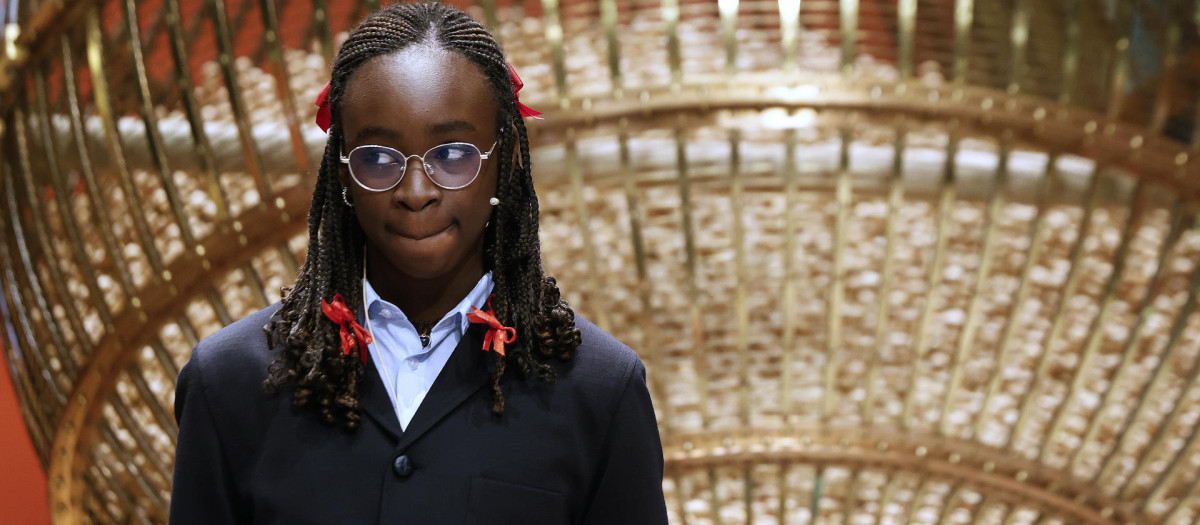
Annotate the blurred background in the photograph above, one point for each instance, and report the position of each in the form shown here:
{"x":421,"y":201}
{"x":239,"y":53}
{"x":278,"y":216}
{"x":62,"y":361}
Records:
{"x":888,"y":261}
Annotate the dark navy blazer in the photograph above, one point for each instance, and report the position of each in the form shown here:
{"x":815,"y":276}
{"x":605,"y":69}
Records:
{"x":585,"y":450}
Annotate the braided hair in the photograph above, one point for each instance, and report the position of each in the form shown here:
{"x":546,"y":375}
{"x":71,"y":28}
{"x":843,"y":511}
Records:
{"x":310,"y":357}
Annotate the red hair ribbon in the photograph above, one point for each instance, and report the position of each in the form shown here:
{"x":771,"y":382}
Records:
{"x":353,"y":334}
{"x":323,"y":116}
{"x":498,"y":335}
{"x":526,"y":111}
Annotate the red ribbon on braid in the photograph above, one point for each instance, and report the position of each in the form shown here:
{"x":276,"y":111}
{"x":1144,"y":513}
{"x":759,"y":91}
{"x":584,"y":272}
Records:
{"x":353,"y":334}
{"x":324,"y":118}
{"x":497,"y":335}
{"x":526,"y":111}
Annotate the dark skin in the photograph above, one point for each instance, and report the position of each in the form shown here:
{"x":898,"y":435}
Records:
{"x":424,"y":244}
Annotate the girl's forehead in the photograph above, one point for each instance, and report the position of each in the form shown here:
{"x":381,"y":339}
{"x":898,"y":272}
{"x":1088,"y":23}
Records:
{"x":419,"y":85}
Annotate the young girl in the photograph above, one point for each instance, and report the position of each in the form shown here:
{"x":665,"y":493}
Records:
{"x":422,"y":305}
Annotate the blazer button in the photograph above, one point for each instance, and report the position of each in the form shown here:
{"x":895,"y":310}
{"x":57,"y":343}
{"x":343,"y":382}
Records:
{"x":402,"y":466}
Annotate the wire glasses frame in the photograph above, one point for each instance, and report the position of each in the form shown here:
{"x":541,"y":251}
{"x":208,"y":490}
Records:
{"x":450,"y":166}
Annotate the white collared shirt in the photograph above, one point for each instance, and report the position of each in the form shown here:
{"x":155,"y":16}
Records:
{"x":397,"y":349}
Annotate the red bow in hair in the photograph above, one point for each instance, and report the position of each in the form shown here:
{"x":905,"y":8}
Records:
{"x":498,"y":335}
{"x":353,"y":334}
{"x":526,"y":111}
{"x":323,"y":116}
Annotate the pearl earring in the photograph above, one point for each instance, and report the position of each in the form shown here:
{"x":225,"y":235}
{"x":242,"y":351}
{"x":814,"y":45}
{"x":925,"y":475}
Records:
{"x":494,"y":201}
{"x":346,"y":197}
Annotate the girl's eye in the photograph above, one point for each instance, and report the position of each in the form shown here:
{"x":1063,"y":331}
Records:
{"x":452,"y":153}
{"x":379,"y":158}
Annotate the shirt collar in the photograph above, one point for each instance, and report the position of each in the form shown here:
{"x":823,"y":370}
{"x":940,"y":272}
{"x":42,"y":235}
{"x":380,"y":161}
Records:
{"x":476,"y":298}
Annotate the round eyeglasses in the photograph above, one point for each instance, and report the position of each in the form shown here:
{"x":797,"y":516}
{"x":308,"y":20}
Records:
{"x":450,"y":166}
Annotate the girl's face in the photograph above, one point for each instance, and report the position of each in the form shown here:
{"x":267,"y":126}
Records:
{"x":413,"y":100}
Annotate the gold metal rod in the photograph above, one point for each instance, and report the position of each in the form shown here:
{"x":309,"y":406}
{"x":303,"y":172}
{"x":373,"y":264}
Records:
{"x":1181,"y":504}
{"x":895,"y":200}
{"x":783,"y":491}
{"x":680,"y":500}
{"x":650,"y":335}
{"x":964,"y":13}
{"x":1178,"y":407}
{"x":885,"y":496}
{"x":321,"y":24}
{"x":218,"y":305}
{"x":748,"y":492}
{"x":741,"y":310}
{"x":814,"y":500}
{"x":116,"y":151}
{"x":150,"y":122}
{"x":789,"y":30}
{"x":554,"y":39}
{"x":850,"y":499}
{"x":610,"y":21}
{"x":87,"y":272}
{"x":837,"y":285}
{"x":729,"y":17}
{"x":1070,"y":55}
{"x":714,"y":499}
{"x":1018,"y":40}
{"x":50,"y":259}
{"x":96,"y":202}
{"x":22,"y":369}
{"x":1168,"y":66}
{"x":37,"y":282}
{"x":1091,"y":347}
{"x":19,"y":302}
{"x":158,"y":506}
{"x":789,"y":300}
{"x":1119,"y":73}
{"x":165,"y":421}
{"x":907,"y":21}
{"x":951,"y":502}
{"x":255,"y":283}
{"x":160,"y":470}
{"x":1156,"y":377}
{"x":191,"y":108}
{"x":283,"y":78}
{"x":670,"y":14}
{"x":165,"y":360}
{"x":911,"y":509}
{"x":1129,"y":350}
{"x":490,"y":18}
{"x":290,"y":263}
{"x":95,"y":482}
{"x":933,"y":277}
{"x":1074,"y":274}
{"x":596,"y":281}
{"x":695,"y":323}
{"x":977,"y":516}
{"x":997,"y":196}
{"x":1182,"y":459}
{"x":190,"y":335}
{"x":848,"y":28}
{"x":241,"y":114}
{"x":1013,"y":316}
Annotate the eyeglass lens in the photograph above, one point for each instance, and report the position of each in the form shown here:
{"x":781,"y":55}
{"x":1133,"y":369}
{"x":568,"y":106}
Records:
{"x":450,"y":166}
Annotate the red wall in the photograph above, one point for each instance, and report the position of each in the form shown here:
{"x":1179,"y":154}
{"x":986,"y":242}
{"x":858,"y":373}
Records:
{"x":22,"y":482}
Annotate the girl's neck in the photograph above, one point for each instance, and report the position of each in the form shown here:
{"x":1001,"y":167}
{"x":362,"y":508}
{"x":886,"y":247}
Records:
{"x":422,"y":299}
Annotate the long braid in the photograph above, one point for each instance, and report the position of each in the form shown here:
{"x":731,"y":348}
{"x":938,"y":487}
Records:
{"x":310,"y":359}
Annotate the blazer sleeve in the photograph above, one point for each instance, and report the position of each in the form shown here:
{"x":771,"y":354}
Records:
{"x":630,"y":485}
{"x":203,"y":489}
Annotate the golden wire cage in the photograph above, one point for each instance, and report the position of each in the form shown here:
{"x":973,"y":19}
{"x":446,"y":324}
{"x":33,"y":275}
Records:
{"x":911,"y":261}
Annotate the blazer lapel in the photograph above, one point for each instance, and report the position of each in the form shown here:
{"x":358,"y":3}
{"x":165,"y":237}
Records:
{"x":375,"y":402}
{"x":465,"y":373}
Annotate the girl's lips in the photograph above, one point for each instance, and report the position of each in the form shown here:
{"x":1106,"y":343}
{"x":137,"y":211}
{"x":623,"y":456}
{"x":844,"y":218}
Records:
{"x":420,"y":236}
